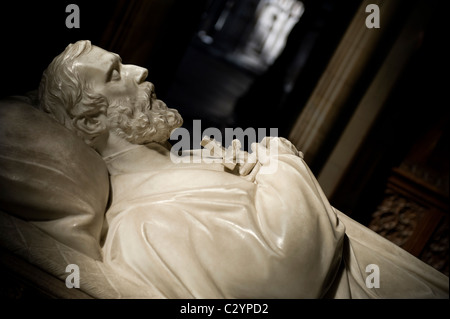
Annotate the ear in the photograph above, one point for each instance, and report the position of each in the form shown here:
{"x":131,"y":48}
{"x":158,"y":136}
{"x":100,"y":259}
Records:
{"x":90,"y":126}
{"x":89,"y":117}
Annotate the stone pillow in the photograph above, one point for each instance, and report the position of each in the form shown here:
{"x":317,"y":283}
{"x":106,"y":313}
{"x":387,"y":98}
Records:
{"x":50,"y":177}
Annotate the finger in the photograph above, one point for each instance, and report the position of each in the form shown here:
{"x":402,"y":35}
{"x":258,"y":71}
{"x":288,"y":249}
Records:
{"x":247,"y":162}
{"x":246,"y":168}
{"x":262,"y":154}
{"x":251,"y":177}
{"x":236,"y":145}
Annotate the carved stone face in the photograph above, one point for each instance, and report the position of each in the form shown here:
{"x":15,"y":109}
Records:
{"x":105,"y":74}
{"x":134,"y":112}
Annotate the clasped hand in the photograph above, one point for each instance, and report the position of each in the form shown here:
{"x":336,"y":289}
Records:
{"x":246,"y":164}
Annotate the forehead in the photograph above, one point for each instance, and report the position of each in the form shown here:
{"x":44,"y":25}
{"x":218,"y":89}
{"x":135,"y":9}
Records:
{"x":98,"y":55}
{"x":97,"y":60}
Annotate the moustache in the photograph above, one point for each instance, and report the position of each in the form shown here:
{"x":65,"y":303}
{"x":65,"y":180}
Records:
{"x":150,"y":98}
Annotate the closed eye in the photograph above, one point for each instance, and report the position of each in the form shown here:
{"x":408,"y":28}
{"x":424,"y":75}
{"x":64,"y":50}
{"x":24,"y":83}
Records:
{"x":115,"y":75}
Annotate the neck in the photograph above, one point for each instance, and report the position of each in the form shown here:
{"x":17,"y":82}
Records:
{"x":123,"y":157}
{"x":114,"y":145}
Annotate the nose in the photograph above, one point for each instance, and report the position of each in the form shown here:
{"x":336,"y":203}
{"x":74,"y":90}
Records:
{"x":139,"y":74}
{"x":142,"y":75}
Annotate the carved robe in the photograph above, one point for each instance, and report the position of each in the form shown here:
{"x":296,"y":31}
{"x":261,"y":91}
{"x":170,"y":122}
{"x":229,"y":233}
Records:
{"x":196,"y":231}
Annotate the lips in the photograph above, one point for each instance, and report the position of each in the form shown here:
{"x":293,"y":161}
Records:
{"x":149,"y":94}
{"x":153,"y":102}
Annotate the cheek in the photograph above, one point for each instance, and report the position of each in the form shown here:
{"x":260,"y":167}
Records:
{"x":118,"y":90}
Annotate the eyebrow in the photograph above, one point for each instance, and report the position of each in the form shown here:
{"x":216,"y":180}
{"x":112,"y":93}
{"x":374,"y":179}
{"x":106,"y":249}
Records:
{"x":115,"y":60}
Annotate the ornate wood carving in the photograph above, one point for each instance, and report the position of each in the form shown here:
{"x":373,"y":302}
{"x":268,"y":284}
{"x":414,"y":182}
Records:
{"x":414,"y":211}
{"x":436,"y":251}
{"x":414,"y":215}
{"x":396,"y":218}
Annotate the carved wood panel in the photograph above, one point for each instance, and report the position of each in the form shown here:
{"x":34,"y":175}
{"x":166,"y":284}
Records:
{"x":396,"y":218}
{"x":414,"y":212}
{"x":436,"y":251}
{"x":415,"y":218}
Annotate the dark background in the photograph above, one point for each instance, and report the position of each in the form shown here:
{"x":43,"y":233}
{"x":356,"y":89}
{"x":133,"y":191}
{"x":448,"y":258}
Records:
{"x":34,"y":32}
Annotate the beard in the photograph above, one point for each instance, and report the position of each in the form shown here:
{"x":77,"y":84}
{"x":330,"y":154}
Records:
{"x":143,"y":119}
